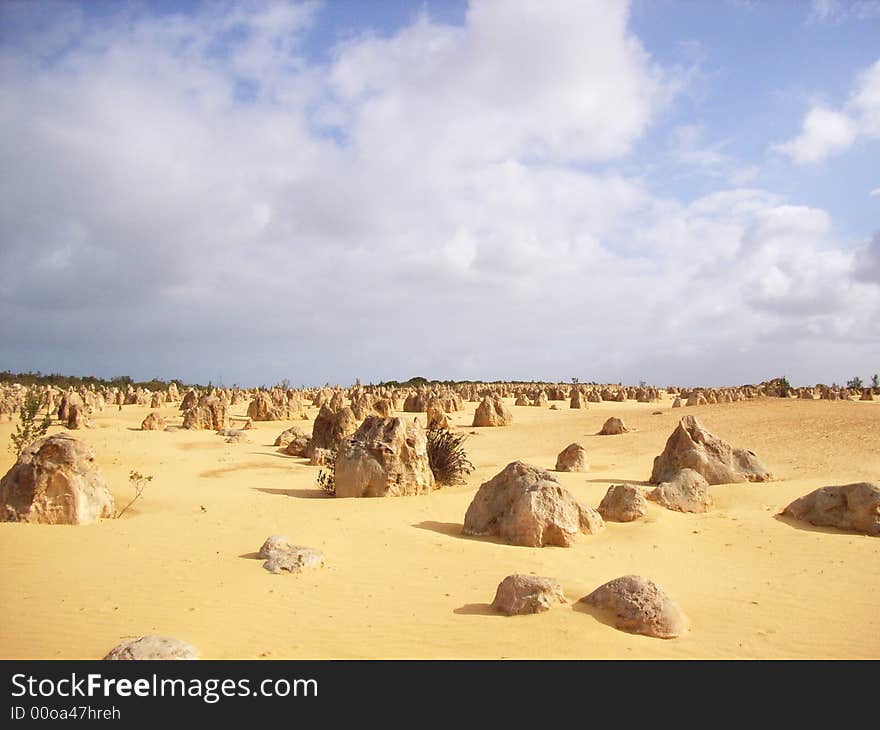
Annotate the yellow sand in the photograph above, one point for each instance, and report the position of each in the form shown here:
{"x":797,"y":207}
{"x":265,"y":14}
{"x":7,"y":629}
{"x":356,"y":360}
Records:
{"x":403,"y":582}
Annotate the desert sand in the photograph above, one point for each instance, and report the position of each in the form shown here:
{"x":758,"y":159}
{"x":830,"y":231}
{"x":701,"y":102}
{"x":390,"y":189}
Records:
{"x":402,"y":582}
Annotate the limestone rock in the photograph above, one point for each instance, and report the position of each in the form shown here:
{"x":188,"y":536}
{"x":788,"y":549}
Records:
{"x":386,"y":457}
{"x":286,"y":436}
{"x":76,"y":417}
{"x":491,"y":412}
{"x":640,"y":606}
{"x":67,"y":400}
{"x":319,"y":457}
{"x":295,"y":406}
{"x":362,"y":406}
{"x":264,"y":408}
{"x":153,"y":422}
{"x":298,"y":445}
{"x":526,"y":505}
{"x":294,"y":441}
{"x":383,"y":407}
{"x":436,"y":415}
{"x":55,"y":481}
{"x":846,"y":507}
{"x":332,"y":427}
{"x":337,"y":401}
{"x":416,"y":402}
{"x":280,"y":554}
{"x":210,"y":413}
{"x":190,"y":400}
{"x":613,"y":427}
{"x":522,"y":594}
{"x":572,"y":458}
{"x":692,"y":447}
{"x":687,"y":491}
{"x":623,"y":503}
{"x":152,"y":647}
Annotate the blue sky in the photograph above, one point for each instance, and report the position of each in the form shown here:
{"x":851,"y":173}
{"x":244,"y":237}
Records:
{"x":677,"y":192}
{"x":761,"y":65}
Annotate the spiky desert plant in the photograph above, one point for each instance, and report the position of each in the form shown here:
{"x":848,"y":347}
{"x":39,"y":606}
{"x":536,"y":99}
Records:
{"x":447,"y":456}
{"x":29,"y":427}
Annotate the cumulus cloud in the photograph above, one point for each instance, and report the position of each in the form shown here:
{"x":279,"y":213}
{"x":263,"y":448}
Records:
{"x":193,"y":196}
{"x":522,"y":79}
{"x":826,"y":132}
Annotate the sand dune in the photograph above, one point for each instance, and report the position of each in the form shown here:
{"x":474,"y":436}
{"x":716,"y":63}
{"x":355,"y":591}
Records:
{"x":401,"y":580}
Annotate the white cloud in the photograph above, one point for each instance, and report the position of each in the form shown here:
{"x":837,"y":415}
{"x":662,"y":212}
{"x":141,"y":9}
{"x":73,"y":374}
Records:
{"x":826,"y":132}
{"x":420,"y":204}
{"x":875,"y":193}
{"x":523,"y":79}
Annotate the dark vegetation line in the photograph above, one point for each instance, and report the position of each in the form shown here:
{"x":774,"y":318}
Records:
{"x":68,"y":381}
{"x":123,"y":381}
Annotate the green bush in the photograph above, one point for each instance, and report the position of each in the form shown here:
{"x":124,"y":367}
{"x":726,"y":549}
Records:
{"x":29,"y":428}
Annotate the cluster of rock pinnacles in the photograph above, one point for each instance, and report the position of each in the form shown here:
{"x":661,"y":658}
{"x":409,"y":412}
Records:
{"x":56,"y":481}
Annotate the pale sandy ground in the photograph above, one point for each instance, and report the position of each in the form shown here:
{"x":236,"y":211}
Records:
{"x":404,"y":583}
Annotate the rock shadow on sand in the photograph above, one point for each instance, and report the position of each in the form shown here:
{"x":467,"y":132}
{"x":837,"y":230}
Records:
{"x":279,"y":453}
{"x":809,"y":527}
{"x":298,"y":493}
{"x":454,"y":529}
{"x":477,"y":609}
{"x":602,"y":616}
{"x":251,"y":465}
{"x":612,"y":480}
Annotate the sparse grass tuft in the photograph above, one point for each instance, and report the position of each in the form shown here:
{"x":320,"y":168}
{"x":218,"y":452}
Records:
{"x":139,"y":482}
